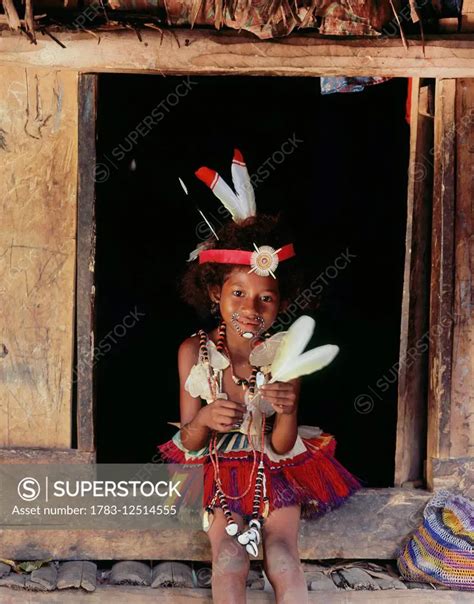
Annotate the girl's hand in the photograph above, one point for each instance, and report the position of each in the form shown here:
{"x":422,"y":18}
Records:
{"x":281,"y":395}
{"x":222,"y":415}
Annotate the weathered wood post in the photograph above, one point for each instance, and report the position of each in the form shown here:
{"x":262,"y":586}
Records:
{"x":450,"y":454}
{"x":38,"y":193}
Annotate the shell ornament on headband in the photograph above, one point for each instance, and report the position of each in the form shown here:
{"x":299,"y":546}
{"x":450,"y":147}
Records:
{"x":264,"y":259}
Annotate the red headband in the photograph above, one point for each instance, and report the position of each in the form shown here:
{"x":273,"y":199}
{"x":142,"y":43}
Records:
{"x":244,"y":257}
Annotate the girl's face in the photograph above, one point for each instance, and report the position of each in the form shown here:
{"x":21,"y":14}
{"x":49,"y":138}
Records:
{"x":248,"y":303}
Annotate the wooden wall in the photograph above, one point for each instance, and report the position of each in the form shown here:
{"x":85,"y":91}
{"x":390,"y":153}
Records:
{"x":413,"y":367}
{"x":38,"y":191}
{"x":450,"y":458}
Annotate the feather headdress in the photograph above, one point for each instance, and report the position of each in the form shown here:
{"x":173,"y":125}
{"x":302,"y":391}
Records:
{"x":241,"y":203}
{"x":291,"y":362}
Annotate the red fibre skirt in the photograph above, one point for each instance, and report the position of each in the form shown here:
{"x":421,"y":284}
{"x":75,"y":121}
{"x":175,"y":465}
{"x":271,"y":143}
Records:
{"x":308,"y":475}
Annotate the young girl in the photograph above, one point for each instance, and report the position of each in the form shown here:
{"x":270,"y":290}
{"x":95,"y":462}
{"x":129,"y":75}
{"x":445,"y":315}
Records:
{"x":261,"y":471}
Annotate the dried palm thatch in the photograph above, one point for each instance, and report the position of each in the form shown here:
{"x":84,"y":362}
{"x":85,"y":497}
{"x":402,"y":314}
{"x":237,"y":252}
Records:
{"x":27,"y":24}
{"x":11,"y":14}
{"x":264,"y":18}
{"x":271,"y":18}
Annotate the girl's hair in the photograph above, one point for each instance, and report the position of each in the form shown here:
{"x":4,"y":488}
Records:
{"x":261,"y":230}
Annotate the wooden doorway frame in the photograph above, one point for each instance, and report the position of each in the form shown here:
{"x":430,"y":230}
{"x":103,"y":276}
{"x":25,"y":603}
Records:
{"x":375,"y":521}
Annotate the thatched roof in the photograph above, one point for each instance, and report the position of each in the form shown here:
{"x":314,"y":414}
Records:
{"x":264,"y":18}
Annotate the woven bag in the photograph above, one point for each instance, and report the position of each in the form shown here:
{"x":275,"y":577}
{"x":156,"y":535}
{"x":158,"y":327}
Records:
{"x":441,"y":551}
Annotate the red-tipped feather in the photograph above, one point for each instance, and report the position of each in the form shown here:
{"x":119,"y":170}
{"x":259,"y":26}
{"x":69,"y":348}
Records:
{"x":209,"y":177}
{"x":238,"y":157}
{"x":241,"y":202}
{"x":243,"y":185}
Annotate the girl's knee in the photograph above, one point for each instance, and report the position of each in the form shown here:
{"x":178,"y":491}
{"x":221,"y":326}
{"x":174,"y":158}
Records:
{"x":230,"y":559}
{"x":281,"y":560}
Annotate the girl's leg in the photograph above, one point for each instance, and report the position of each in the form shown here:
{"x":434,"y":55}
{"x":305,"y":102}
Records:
{"x":281,"y":558}
{"x":230,"y":563}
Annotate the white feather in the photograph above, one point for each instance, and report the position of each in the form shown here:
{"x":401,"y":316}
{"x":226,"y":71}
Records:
{"x":229,"y":199}
{"x":244,"y":189}
{"x":310,"y":361}
{"x":294,"y":342}
{"x":240,"y":204}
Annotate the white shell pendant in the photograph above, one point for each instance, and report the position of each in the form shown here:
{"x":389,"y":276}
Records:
{"x":255,"y":535}
{"x":197,"y":383}
{"x":232,"y":529}
{"x":252,"y":549}
{"x":259,"y":379}
{"x":244,"y":538}
{"x":217,"y":359}
{"x":207,"y":520}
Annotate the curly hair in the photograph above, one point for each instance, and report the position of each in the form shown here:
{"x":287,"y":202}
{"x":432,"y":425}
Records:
{"x":262,"y":230}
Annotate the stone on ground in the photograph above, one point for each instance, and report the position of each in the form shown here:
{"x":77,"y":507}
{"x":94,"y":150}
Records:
{"x":172,"y":574}
{"x":13,"y":580}
{"x":76,"y":574}
{"x":43,"y":578}
{"x":4,"y":569}
{"x":318,"y":581}
{"x":130,"y":572}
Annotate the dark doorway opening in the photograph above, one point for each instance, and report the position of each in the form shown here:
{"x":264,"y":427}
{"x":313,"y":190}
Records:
{"x":342,"y":187}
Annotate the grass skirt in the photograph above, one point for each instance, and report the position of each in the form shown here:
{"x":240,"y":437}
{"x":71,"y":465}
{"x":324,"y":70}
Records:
{"x":308,"y":475}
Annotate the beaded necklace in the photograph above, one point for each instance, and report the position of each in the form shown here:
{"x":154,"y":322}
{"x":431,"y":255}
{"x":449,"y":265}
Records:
{"x":222,"y":347}
{"x":251,"y":537}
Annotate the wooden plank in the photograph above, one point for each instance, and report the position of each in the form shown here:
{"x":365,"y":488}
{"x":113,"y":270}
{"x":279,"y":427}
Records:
{"x":448,"y":25}
{"x":85,"y":287}
{"x":442,"y":262}
{"x":462,"y":387}
{"x":371,"y":524}
{"x":49,"y":456}
{"x":451,"y":432}
{"x":467,"y":6}
{"x":456,"y":474}
{"x":414,"y":342}
{"x":38,"y":121}
{"x":108,"y":594}
{"x":206,"y":52}
{"x":467,"y":18}
{"x":467,"y":23}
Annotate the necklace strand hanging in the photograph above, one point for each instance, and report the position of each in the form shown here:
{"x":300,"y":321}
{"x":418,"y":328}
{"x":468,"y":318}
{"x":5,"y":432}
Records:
{"x":222,"y":347}
{"x":250,"y":539}
{"x":245,"y":383}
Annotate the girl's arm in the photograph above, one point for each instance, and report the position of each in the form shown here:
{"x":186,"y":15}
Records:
{"x":284,"y":398}
{"x":194,"y":435}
